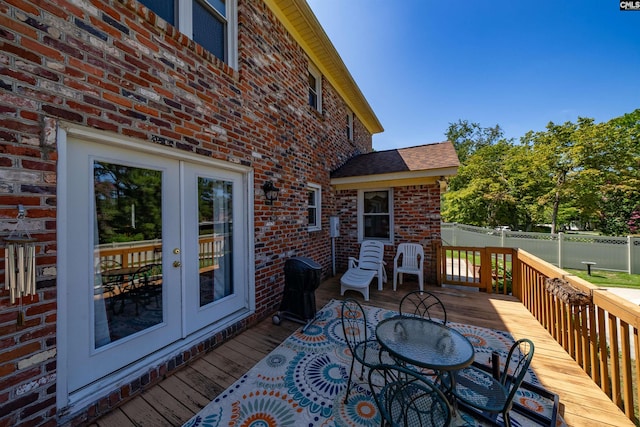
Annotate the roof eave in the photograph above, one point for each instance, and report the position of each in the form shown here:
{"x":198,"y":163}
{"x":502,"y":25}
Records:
{"x":394,"y":179}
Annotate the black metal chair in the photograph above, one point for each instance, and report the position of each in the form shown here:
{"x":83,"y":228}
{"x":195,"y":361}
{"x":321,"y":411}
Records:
{"x":111,"y":284}
{"x":364,"y":350}
{"x":152,"y":284}
{"x":476,"y":388}
{"x":138,"y":286}
{"x":423,"y":304}
{"x":406,"y":398}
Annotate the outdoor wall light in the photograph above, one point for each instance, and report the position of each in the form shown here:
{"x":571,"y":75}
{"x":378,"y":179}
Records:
{"x":270,"y":192}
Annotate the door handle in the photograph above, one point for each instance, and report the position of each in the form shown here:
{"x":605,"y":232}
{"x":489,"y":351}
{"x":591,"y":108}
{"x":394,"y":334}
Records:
{"x":177,"y":264}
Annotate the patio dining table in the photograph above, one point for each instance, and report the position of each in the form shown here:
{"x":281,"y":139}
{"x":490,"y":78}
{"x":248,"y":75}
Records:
{"x":422,"y":342}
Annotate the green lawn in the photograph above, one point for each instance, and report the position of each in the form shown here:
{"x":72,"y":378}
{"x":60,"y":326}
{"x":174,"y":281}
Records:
{"x":608,"y":278}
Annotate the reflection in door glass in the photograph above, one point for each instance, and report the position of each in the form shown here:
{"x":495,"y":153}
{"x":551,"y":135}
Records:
{"x":127,"y":250}
{"x":215,"y":231}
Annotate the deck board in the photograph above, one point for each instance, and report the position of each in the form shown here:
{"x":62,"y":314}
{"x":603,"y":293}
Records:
{"x":171,"y":408}
{"x":143,"y":414}
{"x":184,"y":393}
{"x":582,"y":403}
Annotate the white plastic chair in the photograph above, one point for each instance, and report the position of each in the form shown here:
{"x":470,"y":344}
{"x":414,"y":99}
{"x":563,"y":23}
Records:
{"x":362,"y":270}
{"x":411,"y":258}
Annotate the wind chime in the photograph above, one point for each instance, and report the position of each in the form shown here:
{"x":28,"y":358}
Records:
{"x":20,"y":262}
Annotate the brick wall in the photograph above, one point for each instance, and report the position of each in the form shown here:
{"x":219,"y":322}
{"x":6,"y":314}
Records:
{"x":416,"y":216}
{"x":112,"y":65}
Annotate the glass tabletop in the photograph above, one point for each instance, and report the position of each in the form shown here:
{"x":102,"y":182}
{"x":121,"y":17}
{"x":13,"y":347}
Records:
{"x":421,"y":342}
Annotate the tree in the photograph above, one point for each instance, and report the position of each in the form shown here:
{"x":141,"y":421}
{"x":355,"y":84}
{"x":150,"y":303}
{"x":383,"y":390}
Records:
{"x":618,"y":161}
{"x":481,"y":193}
{"x":467,"y":137}
{"x":554,"y":157}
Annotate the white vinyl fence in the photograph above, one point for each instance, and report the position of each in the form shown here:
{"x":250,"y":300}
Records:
{"x":561,"y":249}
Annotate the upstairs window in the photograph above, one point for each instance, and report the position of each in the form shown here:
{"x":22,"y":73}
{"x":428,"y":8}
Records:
{"x":210,"y":23}
{"x":375,"y":215}
{"x":314,"y":199}
{"x":315,"y":88}
{"x":350,"y":126}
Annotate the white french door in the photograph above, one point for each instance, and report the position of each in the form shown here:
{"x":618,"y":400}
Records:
{"x":156,"y":251}
{"x":214,"y":242}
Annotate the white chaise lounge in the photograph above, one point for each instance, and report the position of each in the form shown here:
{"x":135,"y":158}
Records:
{"x":362,"y":270}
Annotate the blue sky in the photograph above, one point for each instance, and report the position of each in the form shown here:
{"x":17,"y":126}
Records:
{"x":423,"y":64}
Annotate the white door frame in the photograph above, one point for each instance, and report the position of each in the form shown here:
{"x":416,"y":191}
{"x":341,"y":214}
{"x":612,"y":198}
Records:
{"x":70,"y":401}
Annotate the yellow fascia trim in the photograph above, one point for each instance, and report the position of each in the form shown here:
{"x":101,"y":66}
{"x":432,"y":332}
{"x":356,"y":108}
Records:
{"x":387,"y":183}
{"x":299,"y":20}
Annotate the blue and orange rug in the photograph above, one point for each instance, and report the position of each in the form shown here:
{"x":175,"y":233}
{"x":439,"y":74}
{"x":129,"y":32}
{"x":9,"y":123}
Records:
{"x":303,"y":381}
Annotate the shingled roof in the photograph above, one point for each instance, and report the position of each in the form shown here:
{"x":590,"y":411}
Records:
{"x":430,"y":159}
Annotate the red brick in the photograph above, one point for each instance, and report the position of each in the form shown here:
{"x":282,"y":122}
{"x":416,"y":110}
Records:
{"x":10,"y":199}
{"x":49,"y":330}
{"x":101,"y":124}
{"x":47,"y":52}
{"x":18,"y":352}
{"x":25,"y":6}
{"x":125,"y":102}
{"x":34,"y":310}
{"x":6,"y":369}
{"x":18,"y":75}
{"x":84,"y":108}
{"x":87,"y":68}
{"x":113,"y":32}
{"x":42,"y":166}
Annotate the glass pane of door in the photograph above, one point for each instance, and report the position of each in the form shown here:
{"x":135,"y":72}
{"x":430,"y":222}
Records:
{"x":127,"y":250}
{"x":215,"y":239}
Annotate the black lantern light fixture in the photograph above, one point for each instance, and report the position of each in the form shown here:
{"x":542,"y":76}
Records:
{"x":270,"y":192}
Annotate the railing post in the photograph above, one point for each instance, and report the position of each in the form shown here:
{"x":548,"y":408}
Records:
{"x":560,"y":240}
{"x":454,"y":234}
{"x":439,"y":262}
{"x":485,"y":270}
{"x":516,"y":281}
{"x":630,"y":256}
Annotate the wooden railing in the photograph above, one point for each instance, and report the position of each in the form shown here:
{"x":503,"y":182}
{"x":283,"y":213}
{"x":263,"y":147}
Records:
{"x":601,"y":336}
{"x":489,"y":269}
{"x":136,"y":254}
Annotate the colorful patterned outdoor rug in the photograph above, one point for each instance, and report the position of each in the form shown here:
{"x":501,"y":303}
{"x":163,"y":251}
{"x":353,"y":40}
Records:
{"x":303,"y":381}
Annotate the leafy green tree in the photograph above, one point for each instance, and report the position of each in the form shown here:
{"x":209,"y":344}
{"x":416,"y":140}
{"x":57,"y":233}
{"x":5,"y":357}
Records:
{"x":468,"y":137}
{"x":481,"y":193}
{"x":554,"y":157}
{"x":618,"y":162}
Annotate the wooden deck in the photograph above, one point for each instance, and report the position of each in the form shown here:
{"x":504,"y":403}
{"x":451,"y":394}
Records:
{"x":178,"y":397}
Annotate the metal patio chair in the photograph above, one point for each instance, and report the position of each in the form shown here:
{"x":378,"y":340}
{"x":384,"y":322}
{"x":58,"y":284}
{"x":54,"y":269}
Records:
{"x":479,"y":389}
{"x":364,"y":350}
{"x":406,"y":398}
{"x":423,"y":304}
